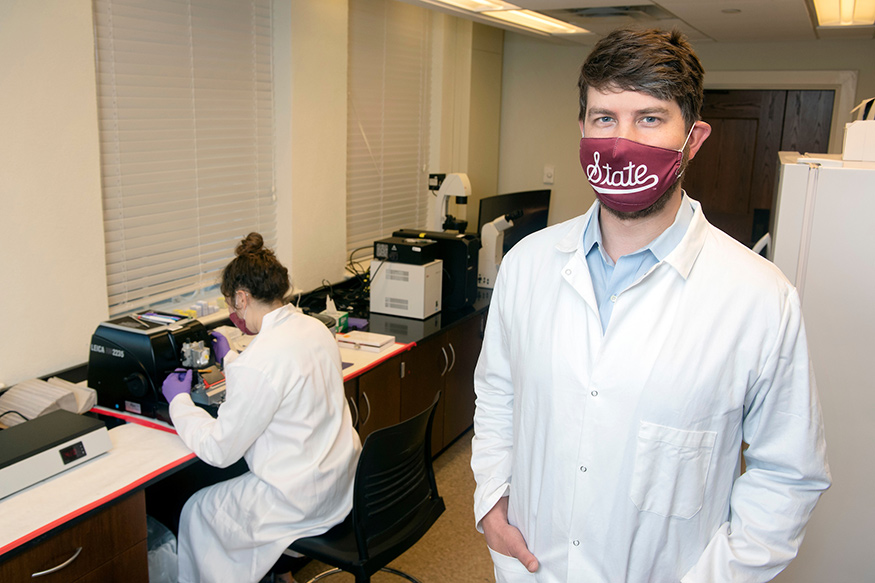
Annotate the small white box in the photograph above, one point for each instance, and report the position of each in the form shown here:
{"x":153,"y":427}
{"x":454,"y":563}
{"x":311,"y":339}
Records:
{"x":401,"y":289}
{"x":859,"y":141}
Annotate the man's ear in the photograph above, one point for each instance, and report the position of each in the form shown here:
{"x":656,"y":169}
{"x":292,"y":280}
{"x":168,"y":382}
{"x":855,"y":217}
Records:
{"x":580,"y":122}
{"x":699,"y":134}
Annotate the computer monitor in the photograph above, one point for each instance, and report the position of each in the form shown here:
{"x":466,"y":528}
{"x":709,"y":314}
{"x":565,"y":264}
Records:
{"x":535,"y":205}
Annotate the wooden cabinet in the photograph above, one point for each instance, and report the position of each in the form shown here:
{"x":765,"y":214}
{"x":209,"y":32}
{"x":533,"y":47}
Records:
{"x":465,"y":341}
{"x":379,"y":397}
{"x":406,"y":384}
{"x":423,"y":370}
{"x":351,"y":390}
{"x":109,"y":546}
{"x":444,"y":363}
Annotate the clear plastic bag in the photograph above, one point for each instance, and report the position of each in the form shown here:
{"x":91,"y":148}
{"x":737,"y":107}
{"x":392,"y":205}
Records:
{"x":163,"y":563}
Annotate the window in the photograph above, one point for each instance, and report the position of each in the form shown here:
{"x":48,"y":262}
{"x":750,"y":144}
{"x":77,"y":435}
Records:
{"x":185,"y":103}
{"x":388,"y":113}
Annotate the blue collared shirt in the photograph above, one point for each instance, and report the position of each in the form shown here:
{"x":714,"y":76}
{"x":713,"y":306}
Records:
{"x":610,"y":279}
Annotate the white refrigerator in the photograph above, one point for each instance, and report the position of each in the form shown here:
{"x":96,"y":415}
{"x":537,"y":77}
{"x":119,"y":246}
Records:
{"x":823,"y":240}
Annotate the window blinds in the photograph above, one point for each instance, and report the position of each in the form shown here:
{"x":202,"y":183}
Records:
{"x":185,"y":103}
{"x":388,"y":123}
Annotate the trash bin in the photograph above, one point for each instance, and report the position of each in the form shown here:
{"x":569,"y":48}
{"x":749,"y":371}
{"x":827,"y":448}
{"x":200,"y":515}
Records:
{"x":163,"y":565}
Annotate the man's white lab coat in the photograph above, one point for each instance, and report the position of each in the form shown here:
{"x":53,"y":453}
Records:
{"x":285,"y":413}
{"x":620,"y":451}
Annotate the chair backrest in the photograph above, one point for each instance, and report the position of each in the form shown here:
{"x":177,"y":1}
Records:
{"x":394,"y":478}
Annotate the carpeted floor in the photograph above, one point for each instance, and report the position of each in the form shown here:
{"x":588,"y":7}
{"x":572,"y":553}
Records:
{"x":452,"y":551}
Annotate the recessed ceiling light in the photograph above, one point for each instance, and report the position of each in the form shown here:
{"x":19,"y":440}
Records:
{"x":510,"y":13}
{"x":845,"y":12}
{"x":478,"y":5}
{"x":535,"y":21}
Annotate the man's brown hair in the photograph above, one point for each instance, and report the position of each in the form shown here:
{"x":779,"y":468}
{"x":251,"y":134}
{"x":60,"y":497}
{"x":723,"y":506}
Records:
{"x":658,"y":63}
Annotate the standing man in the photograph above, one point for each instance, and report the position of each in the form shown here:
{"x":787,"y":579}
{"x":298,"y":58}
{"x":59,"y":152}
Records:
{"x":628,"y":354}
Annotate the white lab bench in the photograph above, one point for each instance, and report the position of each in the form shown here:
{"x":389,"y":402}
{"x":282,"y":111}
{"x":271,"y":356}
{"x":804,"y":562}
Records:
{"x":93,"y":517}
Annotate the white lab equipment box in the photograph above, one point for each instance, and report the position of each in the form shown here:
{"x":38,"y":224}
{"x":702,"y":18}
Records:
{"x":401,"y":289}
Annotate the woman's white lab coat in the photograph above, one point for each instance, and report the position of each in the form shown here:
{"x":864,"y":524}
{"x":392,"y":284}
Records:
{"x":620,"y":450}
{"x":286,"y":414}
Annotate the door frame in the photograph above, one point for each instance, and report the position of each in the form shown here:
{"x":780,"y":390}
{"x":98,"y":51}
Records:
{"x":844,"y":83}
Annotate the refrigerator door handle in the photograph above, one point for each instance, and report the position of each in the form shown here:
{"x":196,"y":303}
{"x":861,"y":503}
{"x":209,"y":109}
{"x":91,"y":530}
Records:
{"x":807,"y":223}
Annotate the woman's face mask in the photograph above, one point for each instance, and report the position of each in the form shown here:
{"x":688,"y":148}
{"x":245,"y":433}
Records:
{"x":628,"y":176}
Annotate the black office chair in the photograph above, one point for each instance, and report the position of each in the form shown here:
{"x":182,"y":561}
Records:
{"x":395,"y":501}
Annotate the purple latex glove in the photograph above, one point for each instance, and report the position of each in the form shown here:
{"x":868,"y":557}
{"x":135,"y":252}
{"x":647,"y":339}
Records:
{"x":220,"y":345}
{"x":176,"y":383}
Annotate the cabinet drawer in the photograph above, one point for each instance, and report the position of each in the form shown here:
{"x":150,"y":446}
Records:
{"x":101,"y":537}
{"x":132,"y":566}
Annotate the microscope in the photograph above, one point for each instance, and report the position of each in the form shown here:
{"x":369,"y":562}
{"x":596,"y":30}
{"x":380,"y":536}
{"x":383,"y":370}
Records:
{"x":443,"y":187}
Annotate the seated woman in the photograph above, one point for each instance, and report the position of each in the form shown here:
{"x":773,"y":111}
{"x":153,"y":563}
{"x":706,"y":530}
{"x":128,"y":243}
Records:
{"x":285,"y":413}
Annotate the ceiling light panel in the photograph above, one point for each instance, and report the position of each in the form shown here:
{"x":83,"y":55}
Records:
{"x":535,"y":21}
{"x":845,"y":12}
{"x":477,"y":5}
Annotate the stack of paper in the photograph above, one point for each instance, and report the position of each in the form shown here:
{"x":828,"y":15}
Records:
{"x":86,"y":397}
{"x":30,"y":399}
{"x":369,"y":341}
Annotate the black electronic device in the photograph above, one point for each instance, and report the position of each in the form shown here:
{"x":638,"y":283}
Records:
{"x":130,"y":356}
{"x":460,"y":254}
{"x":535,"y":207}
{"x":411,"y":250}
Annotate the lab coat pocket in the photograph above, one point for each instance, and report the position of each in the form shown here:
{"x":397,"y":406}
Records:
{"x":509,"y":570}
{"x":671,"y":468}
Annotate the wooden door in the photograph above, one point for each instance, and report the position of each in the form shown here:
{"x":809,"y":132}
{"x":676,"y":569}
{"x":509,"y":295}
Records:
{"x":464,"y":342}
{"x":735,"y":173}
{"x":379,"y":397}
{"x":424,"y":370}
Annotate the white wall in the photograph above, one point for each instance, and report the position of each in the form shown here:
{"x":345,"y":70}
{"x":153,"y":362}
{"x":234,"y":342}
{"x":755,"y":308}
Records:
{"x":539,"y":103}
{"x":52,"y":270}
{"x":539,"y":123}
{"x":311,"y":169}
{"x":487,"y":50}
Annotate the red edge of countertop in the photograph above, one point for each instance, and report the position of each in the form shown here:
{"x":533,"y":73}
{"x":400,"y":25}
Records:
{"x":144,"y":479}
{"x":95,"y":504}
{"x":399,"y":348}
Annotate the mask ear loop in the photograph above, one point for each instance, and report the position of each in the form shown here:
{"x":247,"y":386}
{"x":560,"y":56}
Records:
{"x":690,"y":133}
{"x":236,"y":307}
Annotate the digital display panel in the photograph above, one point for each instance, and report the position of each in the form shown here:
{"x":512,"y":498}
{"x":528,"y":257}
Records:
{"x":71,"y":453}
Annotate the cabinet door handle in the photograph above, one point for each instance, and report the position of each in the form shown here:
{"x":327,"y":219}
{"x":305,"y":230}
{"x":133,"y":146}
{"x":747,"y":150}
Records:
{"x":446,"y":361}
{"x":355,"y":410}
{"x":368,"y":403}
{"x":453,"y":352}
{"x":59,"y":567}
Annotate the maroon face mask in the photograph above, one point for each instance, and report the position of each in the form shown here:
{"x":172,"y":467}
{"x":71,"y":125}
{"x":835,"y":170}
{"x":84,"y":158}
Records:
{"x":240,"y":323}
{"x":628,"y":176}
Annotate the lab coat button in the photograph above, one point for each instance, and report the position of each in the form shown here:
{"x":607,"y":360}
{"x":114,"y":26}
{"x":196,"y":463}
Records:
{"x":582,"y":468}
{"x":567,"y":272}
{"x":576,"y":543}
{"x":614,"y":299}
{"x":594,"y":393}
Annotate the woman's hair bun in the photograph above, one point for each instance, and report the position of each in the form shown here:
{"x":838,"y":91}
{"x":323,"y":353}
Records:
{"x":253,"y":243}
